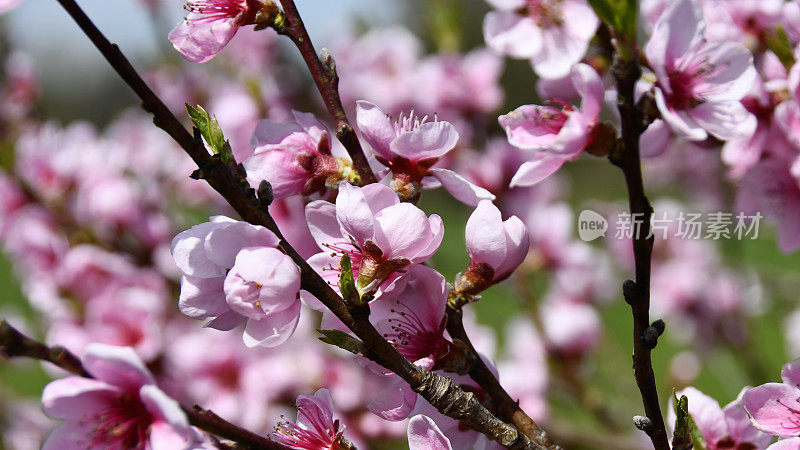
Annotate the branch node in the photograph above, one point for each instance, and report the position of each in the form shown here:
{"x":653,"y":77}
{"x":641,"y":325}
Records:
{"x":650,"y":337}
{"x":643,"y":423}
{"x":629,"y":292}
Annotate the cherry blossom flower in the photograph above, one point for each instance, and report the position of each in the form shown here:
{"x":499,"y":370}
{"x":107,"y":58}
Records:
{"x":295,"y":158}
{"x":553,"y":34}
{"x":119,"y":408}
{"x":496,"y":248}
{"x":381,"y":235}
{"x":315,"y":429}
{"x":233,"y":272}
{"x":409,"y":147}
{"x":413,"y":320}
{"x":211,"y":24}
{"x":774,"y":408}
{"x":699,"y":84}
{"x":423,"y":434}
{"x":554,"y":135}
{"x":722,"y":428}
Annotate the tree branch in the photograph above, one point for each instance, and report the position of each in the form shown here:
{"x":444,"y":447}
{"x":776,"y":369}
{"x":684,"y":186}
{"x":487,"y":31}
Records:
{"x":15,"y":344}
{"x":327,"y":81}
{"x":626,"y":72}
{"x":505,"y":407}
{"x":229,"y":181}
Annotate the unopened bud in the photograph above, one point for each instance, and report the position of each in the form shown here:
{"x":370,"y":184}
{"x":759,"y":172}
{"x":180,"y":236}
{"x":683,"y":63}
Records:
{"x":602,"y":140}
{"x":629,"y":291}
{"x":643,"y":423}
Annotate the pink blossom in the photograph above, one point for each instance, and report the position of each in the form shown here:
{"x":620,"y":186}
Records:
{"x":496,"y":248}
{"x":554,"y":135}
{"x":413,"y":320}
{"x":553,"y":34}
{"x":774,"y":408}
{"x":523,"y":368}
{"x":423,"y":434}
{"x":295,"y":158}
{"x":119,"y":408}
{"x":699,"y":84}
{"x":409,"y":147}
{"x":233,"y":272}
{"x":315,"y":429}
{"x":571,"y":329}
{"x":381,"y":235}
{"x":722,"y":428}
{"x":211,"y":24}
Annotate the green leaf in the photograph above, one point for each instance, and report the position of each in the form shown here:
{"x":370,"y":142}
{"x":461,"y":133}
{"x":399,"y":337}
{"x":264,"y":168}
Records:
{"x":778,"y":42}
{"x":347,"y":285}
{"x":687,"y":436}
{"x":621,"y":15}
{"x":343,"y":341}
{"x":211,"y":131}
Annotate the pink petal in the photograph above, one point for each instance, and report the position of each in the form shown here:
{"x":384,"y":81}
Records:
{"x":269,"y":134}
{"x":376,"y":128}
{"x":460,"y":188}
{"x":223,"y":243}
{"x":681,"y":123}
{"x":726,"y":120}
{"x":786,"y":444}
{"x":69,"y":435}
{"x":402,"y":231}
{"x":354,"y":213}
{"x":117,"y":366}
{"x":774,"y":408}
{"x":272,"y":330}
{"x":75,"y":397}
{"x":485,"y":235}
{"x":321,"y":218}
{"x":200,"y":41}
{"x":790,"y":373}
{"x":202,"y":298}
{"x":537,"y":169}
{"x":270,"y":268}
{"x":680,"y":27}
{"x":429,"y":140}
{"x":395,"y":402}
{"x":311,"y":125}
{"x":189,"y":252}
{"x":164,"y":409}
{"x":512,"y":34}
{"x":423,"y":434}
{"x":226,"y":322}
{"x":734,"y":74}
{"x":590,"y":88}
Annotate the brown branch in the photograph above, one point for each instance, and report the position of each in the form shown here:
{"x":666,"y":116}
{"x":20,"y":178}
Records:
{"x":228,"y":180}
{"x":327,"y":81}
{"x":505,"y":407}
{"x":626,"y":71}
{"x":15,"y":344}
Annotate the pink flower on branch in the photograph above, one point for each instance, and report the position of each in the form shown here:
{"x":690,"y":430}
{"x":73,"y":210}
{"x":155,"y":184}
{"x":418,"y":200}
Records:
{"x":382,"y":236}
{"x":699,"y":84}
{"x":554,"y":135}
{"x":774,"y":408}
{"x":410,"y":147}
{"x":211,"y":24}
{"x":496,"y":248}
{"x":295,"y":158}
{"x":424,"y":434}
{"x":233,"y":273}
{"x":722,"y":428}
{"x":553,"y":34}
{"x":315,"y":429}
{"x":120,"y":408}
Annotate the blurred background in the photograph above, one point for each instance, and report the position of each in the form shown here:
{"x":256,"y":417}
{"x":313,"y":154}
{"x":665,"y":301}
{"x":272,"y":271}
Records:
{"x":588,"y":387}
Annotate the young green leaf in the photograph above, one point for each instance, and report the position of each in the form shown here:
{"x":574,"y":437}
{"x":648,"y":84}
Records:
{"x":347,"y":284}
{"x":687,"y":436}
{"x":343,"y":341}
{"x":211,"y":131}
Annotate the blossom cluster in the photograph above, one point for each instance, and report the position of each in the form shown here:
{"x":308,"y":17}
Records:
{"x":170,"y":301}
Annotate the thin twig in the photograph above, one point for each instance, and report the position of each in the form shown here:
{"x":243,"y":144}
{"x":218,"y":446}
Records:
{"x":626,"y":72}
{"x":502,"y":404}
{"x":327,"y":81}
{"x":228,"y":180}
{"x":15,"y":344}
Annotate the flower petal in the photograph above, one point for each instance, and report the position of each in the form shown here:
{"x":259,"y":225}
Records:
{"x":423,"y":434}
{"x":460,"y":188}
{"x":274,"y":329}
